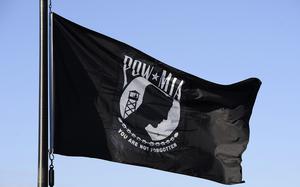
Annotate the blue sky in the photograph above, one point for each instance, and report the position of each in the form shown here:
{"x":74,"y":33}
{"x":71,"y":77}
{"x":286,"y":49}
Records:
{"x":221,"y":41}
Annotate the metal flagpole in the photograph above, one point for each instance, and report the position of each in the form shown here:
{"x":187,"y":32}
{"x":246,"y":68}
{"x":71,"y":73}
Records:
{"x":43,"y":97}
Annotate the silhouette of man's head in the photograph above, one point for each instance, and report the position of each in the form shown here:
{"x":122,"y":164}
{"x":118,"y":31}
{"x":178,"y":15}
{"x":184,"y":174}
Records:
{"x":154,"y":108}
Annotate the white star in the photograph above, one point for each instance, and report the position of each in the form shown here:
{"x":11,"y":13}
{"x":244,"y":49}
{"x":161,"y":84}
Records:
{"x":154,"y":76}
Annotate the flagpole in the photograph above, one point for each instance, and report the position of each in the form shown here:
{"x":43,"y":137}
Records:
{"x":43,"y":97}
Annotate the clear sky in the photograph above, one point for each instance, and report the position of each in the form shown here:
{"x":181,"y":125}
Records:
{"x":221,"y":41}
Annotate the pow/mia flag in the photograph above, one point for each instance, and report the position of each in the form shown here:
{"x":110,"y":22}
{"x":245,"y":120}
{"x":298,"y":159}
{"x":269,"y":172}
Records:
{"x":114,"y":102}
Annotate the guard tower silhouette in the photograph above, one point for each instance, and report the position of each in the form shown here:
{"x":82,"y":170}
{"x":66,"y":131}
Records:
{"x":130,"y":107}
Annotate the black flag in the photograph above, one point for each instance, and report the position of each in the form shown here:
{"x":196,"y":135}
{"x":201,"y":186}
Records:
{"x":116,"y":103}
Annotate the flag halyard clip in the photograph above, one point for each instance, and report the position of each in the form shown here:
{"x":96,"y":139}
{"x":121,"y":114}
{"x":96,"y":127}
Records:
{"x":51,"y":169}
{"x":50,"y":6}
